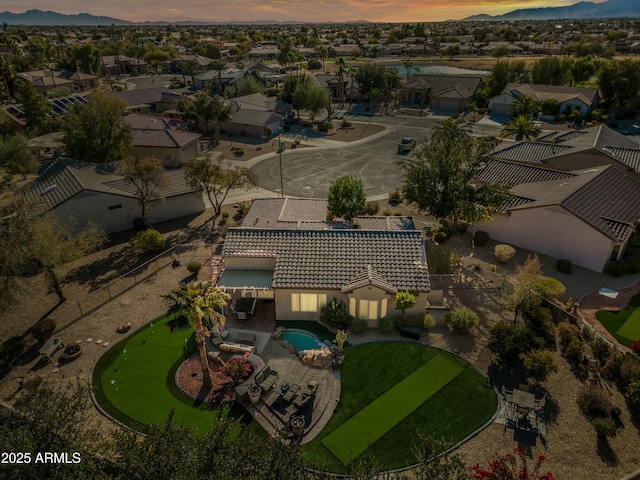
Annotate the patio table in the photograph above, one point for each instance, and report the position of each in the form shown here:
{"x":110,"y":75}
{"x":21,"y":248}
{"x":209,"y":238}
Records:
{"x":524,"y":399}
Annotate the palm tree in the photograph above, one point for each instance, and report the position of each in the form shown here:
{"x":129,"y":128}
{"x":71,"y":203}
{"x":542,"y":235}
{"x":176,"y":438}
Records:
{"x":218,"y":65}
{"x":323,"y":53}
{"x":521,"y":127}
{"x":408,"y":64}
{"x":525,"y":105}
{"x":203,"y":302}
{"x":341,"y":63}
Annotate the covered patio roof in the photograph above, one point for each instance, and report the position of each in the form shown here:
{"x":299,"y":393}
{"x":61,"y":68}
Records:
{"x":245,"y":279}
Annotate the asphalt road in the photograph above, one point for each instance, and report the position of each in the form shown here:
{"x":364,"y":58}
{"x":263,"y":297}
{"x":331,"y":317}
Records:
{"x":309,"y":172}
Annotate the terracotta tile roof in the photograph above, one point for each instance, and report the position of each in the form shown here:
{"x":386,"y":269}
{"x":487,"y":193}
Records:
{"x":510,"y":174}
{"x":330,"y":259}
{"x":369,"y":277}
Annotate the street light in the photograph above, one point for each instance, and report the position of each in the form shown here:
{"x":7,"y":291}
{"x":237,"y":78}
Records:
{"x":280,"y":149}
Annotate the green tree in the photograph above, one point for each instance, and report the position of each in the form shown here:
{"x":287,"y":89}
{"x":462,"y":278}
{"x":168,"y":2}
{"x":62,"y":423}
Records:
{"x":521,"y":127}
{"x":203,"y":302}
{"x":44,"y":242}
{"x":212,"y":109}
{"x":500,"y":52}
{"x":461,"y":320}
{"x":552,"y":70}
{"x":35,"y":106}
{"x":452,"y":51}
{"x":217,"y":181}
{"x":404,"y":301}
{"x":17,"y":156}
{"x":148,"y":177}
{"x":508,"y":341}
{"x":524,"y":105}
{"x":617,"y":80}
{"x":539,"y":364}
{"x":244,"y":86}
{"x":323,"y":53}
{"x":310,"y":97}
{"x":219,"y":66}
{"x":434,"y":461}
{"x":186,"y":107}
{"x":439,"y":177}
{"x":346,"y":197}
{"x":96,"y":131}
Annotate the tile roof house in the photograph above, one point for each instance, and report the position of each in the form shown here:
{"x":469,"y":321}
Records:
{"x":98,"y":193}
{"x":286,"y":250}
{"x":449,"y":93}
{"x":585,"y":216}
{"x":254,"y":115}
{"x":163,"y":138}
{"x":575,"y":150}
{"x":584,"y":99}
{"x":148,"y":100}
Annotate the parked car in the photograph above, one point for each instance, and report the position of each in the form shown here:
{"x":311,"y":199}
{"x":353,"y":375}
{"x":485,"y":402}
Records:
{"x":406,"y":145}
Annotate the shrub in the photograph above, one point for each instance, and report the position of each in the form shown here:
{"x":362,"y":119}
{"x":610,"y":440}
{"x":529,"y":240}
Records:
{"x":619,"y":268}
{"x":12,"y":347}
{"x":395,"y":197}
{"x":564,"y":266}
{"x":539,"y":364}
{"x":601,"y":350}
{"x":359,"y":325}
{"x":604,"y":427}
{"x":442,"y":260}
{"x":567,"y":332}
{"x":241,"y":210}
{"x":371,"y":208}
{"x":480,"y":238}
{"x":632,"y":396}
{"x":509,"y":341}
{"x":594,"y":402}
{"x":429,"y":321}
{"x":538,"y":318}
{"x":147,"y":241}
{"x":324,"y":126}
{"x":630,"y":370}
{"x":386,"y":213}
{"x":504,"y":253}
{"x":575,"y":350}
{"x":335,"y":314}
{"x":440,"y":237}
{"x":461,"y":320}
{"x":345,"y":123}
{"x":194,"y":267}
{"x":549,"y":288}
{"x":31,"y":384}
{"x":635,"y":346}
{"x":238,"y":151}
{"x":225,"y":215}
{"x":385,"y":325}
{"x":42,"y":330}
{"x":286,"y":127}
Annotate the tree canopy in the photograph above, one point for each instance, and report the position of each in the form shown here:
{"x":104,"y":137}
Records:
{"x":346,"y":197}
{"x":96,"y":131}
{"x":521,"y":127}
{"x":147,"y":176}
{"x":438,"y":178}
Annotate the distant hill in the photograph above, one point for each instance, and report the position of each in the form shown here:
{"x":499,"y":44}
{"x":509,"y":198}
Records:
{"x":39,"y":17}
{"x":577,"y":11}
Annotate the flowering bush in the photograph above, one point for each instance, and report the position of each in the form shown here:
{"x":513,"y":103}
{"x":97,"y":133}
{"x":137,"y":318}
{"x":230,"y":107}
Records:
{"x":237,"y":369}
{"x":635,"y":346}
{"x":512,"y":466}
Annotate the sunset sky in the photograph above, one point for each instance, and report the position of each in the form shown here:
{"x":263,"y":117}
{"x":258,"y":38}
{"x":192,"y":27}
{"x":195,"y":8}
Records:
{"x":284,"y":10}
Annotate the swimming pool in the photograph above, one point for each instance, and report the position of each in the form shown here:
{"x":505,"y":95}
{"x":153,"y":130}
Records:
{"x":302,"y":340}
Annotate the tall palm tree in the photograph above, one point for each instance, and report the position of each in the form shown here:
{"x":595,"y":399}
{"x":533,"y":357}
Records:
{"x":203,"y":302}
{"x":341,"y":63}
{"x":521,"y":127}
{"x":408,"y":65}
{"x":218,"y":65}
{"x":323,"y":53}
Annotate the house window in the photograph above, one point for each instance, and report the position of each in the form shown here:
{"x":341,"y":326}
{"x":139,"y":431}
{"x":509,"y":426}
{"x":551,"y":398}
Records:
{"x":307,"y":302}
{"x":383,"y":307}
{"x":114,"y":207}
{"x":352,"y":307}
{"x":368,"y":309}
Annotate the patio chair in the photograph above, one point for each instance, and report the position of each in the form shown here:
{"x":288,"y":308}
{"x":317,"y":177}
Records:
{"x":311,"y":387}
{"x":272,"y":399}
{"x":291,"y":393}
{"x":269,"y":380}
{"x":302,"y":401}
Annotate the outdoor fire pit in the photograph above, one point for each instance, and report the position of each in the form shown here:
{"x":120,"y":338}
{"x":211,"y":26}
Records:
{"x":71,"y":353}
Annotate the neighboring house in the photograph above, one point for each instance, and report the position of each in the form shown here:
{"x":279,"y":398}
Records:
{"x":59,"y":105}
{"x":210,"y":77}
{"x":44,"y":80}
{"x":255,"y":115}
{"x":164,"y":138}
{"x":584,"y":216}
{"x":90,"y":192}
{"x":148,"y":100}
{"x":584,"y":99}
{"x":447,"y":93}
{"x":575,"y":150}
{"x":121,"y":64}
{"x":286,"y":250}
{"x":194,"y":63}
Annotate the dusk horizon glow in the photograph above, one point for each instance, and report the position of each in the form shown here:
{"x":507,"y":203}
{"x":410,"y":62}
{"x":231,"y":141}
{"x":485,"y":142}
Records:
{"x":337,"y":11}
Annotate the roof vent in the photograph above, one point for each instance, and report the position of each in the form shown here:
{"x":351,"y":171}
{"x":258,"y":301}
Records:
{"x":49,"y":189}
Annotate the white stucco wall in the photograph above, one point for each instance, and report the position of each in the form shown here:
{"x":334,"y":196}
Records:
{"x":574,"y":104}
{"x":552,"y":231}
{"x":94,"y":206}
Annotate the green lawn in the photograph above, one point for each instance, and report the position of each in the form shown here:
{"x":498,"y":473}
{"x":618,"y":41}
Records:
{"x":135,"y":380}
{"x":624,"y":325}
{"x":369,"y":424}
{"x":370,"y":371}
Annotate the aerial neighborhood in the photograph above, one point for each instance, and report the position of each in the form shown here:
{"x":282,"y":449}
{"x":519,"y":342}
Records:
{"x":300,"y":250}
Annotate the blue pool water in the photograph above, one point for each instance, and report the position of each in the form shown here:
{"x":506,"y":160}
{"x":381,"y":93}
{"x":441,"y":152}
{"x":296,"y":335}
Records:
{"x":302,"y":340}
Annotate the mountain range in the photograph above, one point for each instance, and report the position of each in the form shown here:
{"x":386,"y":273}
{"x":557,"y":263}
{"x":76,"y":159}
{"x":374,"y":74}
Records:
{"x":577,"y":11}
{"x":580,"y":10}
